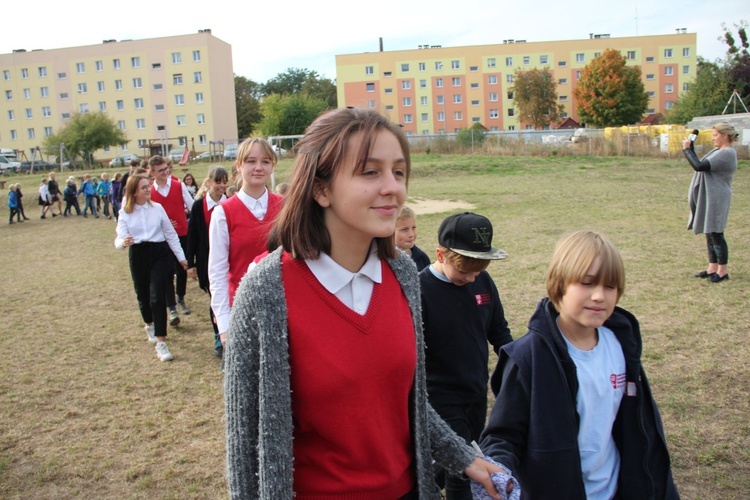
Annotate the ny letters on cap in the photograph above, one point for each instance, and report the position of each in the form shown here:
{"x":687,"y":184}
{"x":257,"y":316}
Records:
{"x":469,"y":234}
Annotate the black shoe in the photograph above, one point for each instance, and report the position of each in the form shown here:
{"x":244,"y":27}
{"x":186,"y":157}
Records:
{"x":219,"y":351}
{"x":704,"y":274}
{"x":43,"y":217}
{"x":715,"y":278}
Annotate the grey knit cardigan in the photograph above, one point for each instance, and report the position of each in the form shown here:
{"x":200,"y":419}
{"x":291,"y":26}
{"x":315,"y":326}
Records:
{"x":258,"y":401}
{"x":710,"y":192}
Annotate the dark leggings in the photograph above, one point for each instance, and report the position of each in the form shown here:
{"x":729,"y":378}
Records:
{"x":181,"y":279}
{"x":718,"y":251}
{"x":151,"y":269}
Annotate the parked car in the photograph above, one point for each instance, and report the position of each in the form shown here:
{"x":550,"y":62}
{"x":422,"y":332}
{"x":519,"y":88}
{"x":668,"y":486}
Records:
{"x":206,"y":155}
{"x":230,"y":152}
{"x":280,"y":152}
{"x":7,"y":166}
{"x":39,"y":166}
{"x":10,"y":154}
{"x":176,"y":154}
{"x":122,"y":160}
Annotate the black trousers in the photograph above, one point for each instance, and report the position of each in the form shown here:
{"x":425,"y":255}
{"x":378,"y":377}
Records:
{"x":718,"y":250}
{"x":151,"y":269}
{"x":181,"y":278}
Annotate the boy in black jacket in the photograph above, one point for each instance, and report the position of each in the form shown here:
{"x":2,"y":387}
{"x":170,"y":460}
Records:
{"x":574,"y":417}
{"x":461,"y":311}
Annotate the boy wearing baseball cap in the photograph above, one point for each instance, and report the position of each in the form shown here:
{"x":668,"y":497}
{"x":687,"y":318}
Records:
{"x":461,"y":311}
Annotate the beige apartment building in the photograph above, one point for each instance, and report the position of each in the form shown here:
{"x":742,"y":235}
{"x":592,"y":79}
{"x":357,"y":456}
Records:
{"x":176,"y":90}
{"x":434,"y":89}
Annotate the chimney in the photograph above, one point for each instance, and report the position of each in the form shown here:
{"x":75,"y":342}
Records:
{"x":381,"y":43}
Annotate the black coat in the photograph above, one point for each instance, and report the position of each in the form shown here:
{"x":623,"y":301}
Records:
{"x":533,"y":427}
{"x":197,"y":243}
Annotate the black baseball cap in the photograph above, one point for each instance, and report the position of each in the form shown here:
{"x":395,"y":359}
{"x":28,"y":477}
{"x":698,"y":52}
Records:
{"x":470,"y":235}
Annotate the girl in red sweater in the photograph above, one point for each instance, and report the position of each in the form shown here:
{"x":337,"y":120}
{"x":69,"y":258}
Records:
{"x":325,"y":380}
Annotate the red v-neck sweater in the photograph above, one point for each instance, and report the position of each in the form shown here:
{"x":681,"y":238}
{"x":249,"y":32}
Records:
{"x":351,"y":377}
{"x":173,"y":204}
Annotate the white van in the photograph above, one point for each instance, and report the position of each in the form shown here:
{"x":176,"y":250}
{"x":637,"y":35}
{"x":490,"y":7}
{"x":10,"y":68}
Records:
{"x":8,"y":153}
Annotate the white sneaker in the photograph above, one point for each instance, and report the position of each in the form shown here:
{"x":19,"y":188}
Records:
{"x":150,"y":332}
{"x":162,"y":351}
{"x":174,"y":318}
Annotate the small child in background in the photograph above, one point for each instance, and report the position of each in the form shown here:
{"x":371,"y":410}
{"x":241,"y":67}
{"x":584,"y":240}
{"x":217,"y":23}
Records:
{"x":114,"y":194}
{"x":282,"y":188}
{"x":70,"y":195}
{"x":95,"y":180}
{"x":574,"y":417}
{"x":406,"y":237}
{"x":13,"y":204}
{"x":102,"y":193}
{"x":19,"y":196}
{"x":89,"y":190}
{"x":45,"y":199}
{"x":462,"y":312}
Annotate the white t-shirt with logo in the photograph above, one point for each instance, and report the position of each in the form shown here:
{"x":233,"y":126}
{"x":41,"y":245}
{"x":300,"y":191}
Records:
{"x":601,"y":386}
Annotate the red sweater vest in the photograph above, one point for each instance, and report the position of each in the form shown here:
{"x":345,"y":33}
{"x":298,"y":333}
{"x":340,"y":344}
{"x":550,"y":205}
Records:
{"x":248,"y":236}
{"x":173,"y":204}
{"x":351,"y":377}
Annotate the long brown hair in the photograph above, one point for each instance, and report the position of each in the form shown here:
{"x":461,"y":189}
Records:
{"x":130,"y":189}
{"x":300,"y":227}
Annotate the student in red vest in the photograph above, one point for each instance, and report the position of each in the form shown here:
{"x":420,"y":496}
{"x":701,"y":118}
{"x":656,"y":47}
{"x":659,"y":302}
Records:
{"x":170,"y":193}
{"x":324,"y":383}
{"x":240,"y":226}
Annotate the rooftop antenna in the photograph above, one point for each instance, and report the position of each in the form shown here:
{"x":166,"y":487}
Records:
{"x":734,"y":97}
{"x":636,"y":20}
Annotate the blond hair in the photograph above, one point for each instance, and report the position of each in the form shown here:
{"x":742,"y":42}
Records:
{"x":727,"y":129}
{"x":406,"y":213}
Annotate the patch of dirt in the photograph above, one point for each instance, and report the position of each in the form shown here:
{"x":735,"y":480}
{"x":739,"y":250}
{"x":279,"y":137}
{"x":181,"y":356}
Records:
{"x":423,"y":206}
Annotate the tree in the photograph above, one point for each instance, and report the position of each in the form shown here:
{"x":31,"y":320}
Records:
{"x":738,"y":60}
{"x":610,"y":93}
{"x":247,"y":94}
{"x":535,"y":97}
{"x":706,"y":95}
{"x":86,"y":133}
{"x":296,"y":80}
{"x":288,"y":114}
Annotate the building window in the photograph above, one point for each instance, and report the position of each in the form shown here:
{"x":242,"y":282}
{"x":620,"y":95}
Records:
{"x":137,"y":83}
{"x":492,"y":80}
{"x":115,"y":63}
{"x":425,"y":117}
{"x":509,"y":78}
{"x":650,"y":76}
{"x":511,"y":112}
{"x":11,"y":114}
{"x":158,"y":86}
{"x":491,"y":62}
{"x":199,"y":97}
{"x":80,"y":67}
{"x":8,"y":95}
{"x":197,"y":77}
{"x":177,"y":79}
{"x":65,"y":116}
{"x":100,"y":86}
{"x":370,"y":87}
{"x":29,"y":113}
{"x":102,"y":105}
{"x":42,"y":71}
{"x":196,"y":55}
{"x":455,"y":64}
{"x":686,"y":70}
{"x":438,"y":65}
{"x":563,"y":98}
{"x":668,"y":88}
{"x":651,"y":93}
{"x":118,"y":84}
{"x":475,"y":102}
{"x":562,"y":81}
{"x":494,"y":113}
{"x":138,"y":103}
{"x":82,"y":88}
{"x":159,"y":107}
{"x":406,"y":101}
{"x":526,"y":60}
{"x":493,"y":96}
{"x":440,"y":99}
{"x":422,"y":66}
{"x":179,"y":99}
{"x":371,"y":103}
{"x":473,"y":69}
{"x":6,"y":75}
{"x":406,"y":84}
{"x":389,"y":91}
{"x":387,"y":74}
{"x":27,"y":93}
{"x":596,"y":54}
{"x":176,"y":57}
{"x":441,"y":116}
{"x":475,"y":85}
{"x":668,"y":53}
{"x":562,"y":64}
{"x":124,"y":147}
{"x":369,"y":70}
{"x":181,"y":121}
{"x":439,"y":83}
{"x":408,"y":118}
{"x":510,"y":95}
{"x":140,"y":123}
{"x":120,"y":105}
{"x":63,"y":95}
{"x":458,"y":115}
{"x":423,"y":100}
{"x":457,"y":98}
{"x":668,"y":71}
{"x":47,"y":131}
{"x":405,"y":68}
{"x":580,"y":58}
{"x":475,"y":119}
{"x":650,"y":59}
{"x":631,"y":55}
{"x":686,"y":52}
{"x":456,"y":81}
{"x":509,"y":61}
{"x":668,"y":105}
{"x":13,"y":135}
{"x":83,"y":108}
{"x":135,"y":62}
{"x":121,"y":124}
{"x":543,"y":59}
{"x":202,"y":139}
{"x":685,"y":87}
{"x":422,"y":84}
{"x":156,"y":66}
{"x":30,"y":133}
{"x":389,"y":107}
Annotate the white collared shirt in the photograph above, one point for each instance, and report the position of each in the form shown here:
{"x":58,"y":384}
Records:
{"x":218,"y":255}
{"x":164,"y":191}
{"x":353,"y":289}
{"x":148,"y":222}
{"x":210,"y":203}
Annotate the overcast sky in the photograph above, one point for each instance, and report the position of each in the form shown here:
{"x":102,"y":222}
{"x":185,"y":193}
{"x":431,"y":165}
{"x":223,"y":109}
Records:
{"x":269,"y":37}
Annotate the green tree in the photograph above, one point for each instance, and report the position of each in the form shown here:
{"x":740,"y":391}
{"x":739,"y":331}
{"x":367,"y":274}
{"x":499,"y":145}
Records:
{"x":288,"y":114}
{"x":610,"y":93}
{"x":738,"y":60}
{"x":535,"y":97}
{"x":86,"y":133}
{"x":473,"y":136}
{"x":247,"y":94}
{"x":706,"y":95}
{"x":296,"y":81}
{"x":321,"y":88}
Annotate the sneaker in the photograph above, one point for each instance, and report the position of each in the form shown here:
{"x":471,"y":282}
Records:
{"x":184,"y":309}
{"x":150,"y":333}
{"x":219,"y":351}
{"x":174,"y":318}
{"x":162,"y":352}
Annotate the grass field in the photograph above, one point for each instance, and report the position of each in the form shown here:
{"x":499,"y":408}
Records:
{"x":86,"y":408}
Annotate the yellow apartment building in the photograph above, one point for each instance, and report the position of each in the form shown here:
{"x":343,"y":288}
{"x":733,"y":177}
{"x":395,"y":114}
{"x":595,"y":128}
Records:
{"x":434,"y":89}
{"x":178,"y":90}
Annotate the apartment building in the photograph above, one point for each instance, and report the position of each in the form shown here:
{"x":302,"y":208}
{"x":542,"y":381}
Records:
{"x":434,"y":89}
{"x":178,"y":90}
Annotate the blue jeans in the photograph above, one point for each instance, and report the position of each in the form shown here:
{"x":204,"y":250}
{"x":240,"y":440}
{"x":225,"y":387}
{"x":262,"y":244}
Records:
{"x":90,"y":203}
